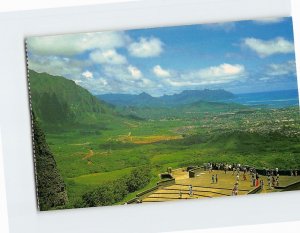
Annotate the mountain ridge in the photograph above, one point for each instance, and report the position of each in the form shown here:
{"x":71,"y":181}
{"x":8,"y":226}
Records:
{"x":185,"y":97}
{"x":57,"y":100}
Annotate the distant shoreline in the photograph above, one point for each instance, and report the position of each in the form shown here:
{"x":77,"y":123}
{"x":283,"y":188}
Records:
{"x":274,"y":99}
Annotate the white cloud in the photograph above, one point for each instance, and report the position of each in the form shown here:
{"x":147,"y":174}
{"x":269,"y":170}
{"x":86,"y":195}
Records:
{"x":282,"y":69}
{"x":214,"y":75}
{"x":53,"y":65}
{"x":146,"y":47}
{"x":129,"y":79}
{"x":78,"y":81}
{"x":266,"y":48}
{"x":108,"y":57}
{"x":72,"y":44}
{"x":268,"y":20}
{"x":122,"y":73}
{"x":103,"y":81}
{"x":96,"y":86}
{"x":264,"y":78}
{"x":125,"y":79}
{"x":224,"y":70}
{"x":160,"y":72}
{"x":87,"y":74}
{"x":135,"y":72}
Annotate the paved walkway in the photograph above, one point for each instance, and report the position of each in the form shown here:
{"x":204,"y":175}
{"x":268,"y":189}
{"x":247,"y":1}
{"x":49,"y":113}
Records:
{"x":204,"y":188}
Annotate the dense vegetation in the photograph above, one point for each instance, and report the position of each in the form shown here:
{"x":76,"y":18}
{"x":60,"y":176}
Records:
{"x":59,"y":101}
{"x":50,"y":186}
{"x":115,"y":191}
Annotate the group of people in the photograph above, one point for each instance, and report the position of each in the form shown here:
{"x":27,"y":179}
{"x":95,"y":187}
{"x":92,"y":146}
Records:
{"x":190,"y":192}
{"x":254,"y":178}
{"x":238,"y":171}
{"x":223,"y":166}
{"x":273,"y":178}
{"x":294,"y":173}
{"x":273,"y":181}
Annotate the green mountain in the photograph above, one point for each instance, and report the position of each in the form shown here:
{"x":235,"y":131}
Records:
{"x":57,"y":100}
{"x":191,"y":96}
{"x":140,"y":100}
{"x":183,"y":98}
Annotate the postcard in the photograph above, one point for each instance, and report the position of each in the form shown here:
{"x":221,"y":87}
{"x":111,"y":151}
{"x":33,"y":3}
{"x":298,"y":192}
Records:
{"x":164,"y":114}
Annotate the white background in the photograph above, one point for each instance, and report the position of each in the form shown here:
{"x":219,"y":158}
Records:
{"x":16,"y":5}
{"x":35,"y":4}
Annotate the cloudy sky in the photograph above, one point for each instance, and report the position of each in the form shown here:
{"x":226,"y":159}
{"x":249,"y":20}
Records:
{"x":242,"y":57}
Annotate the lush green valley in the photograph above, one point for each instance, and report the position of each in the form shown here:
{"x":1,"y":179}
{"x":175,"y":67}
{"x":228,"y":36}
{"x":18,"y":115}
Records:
{"x":95,"y":144}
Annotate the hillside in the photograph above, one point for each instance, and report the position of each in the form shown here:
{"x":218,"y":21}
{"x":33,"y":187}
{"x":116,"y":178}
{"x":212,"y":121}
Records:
{"x":57,"y":100}
{"x":183,"y":98}
{"x":191,"y":96}
{"x":140,"y":100}
{"x":50,"y":185}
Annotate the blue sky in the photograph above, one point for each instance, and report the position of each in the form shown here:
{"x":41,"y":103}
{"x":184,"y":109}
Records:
{"x":242,"y":57}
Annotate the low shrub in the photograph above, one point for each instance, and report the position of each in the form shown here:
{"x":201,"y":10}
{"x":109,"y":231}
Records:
{"x":115,"y":191}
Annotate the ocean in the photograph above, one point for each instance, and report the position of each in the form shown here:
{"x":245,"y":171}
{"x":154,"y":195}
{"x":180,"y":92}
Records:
{"x":273,"y":99}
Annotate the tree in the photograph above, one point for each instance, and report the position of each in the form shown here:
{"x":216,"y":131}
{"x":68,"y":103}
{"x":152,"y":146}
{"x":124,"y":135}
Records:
{"x":138,"y":178}
{"x":115,"y":191}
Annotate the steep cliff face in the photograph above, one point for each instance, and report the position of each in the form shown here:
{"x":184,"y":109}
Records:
{"x":60,"y":101}
{"x":51,"y":189}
